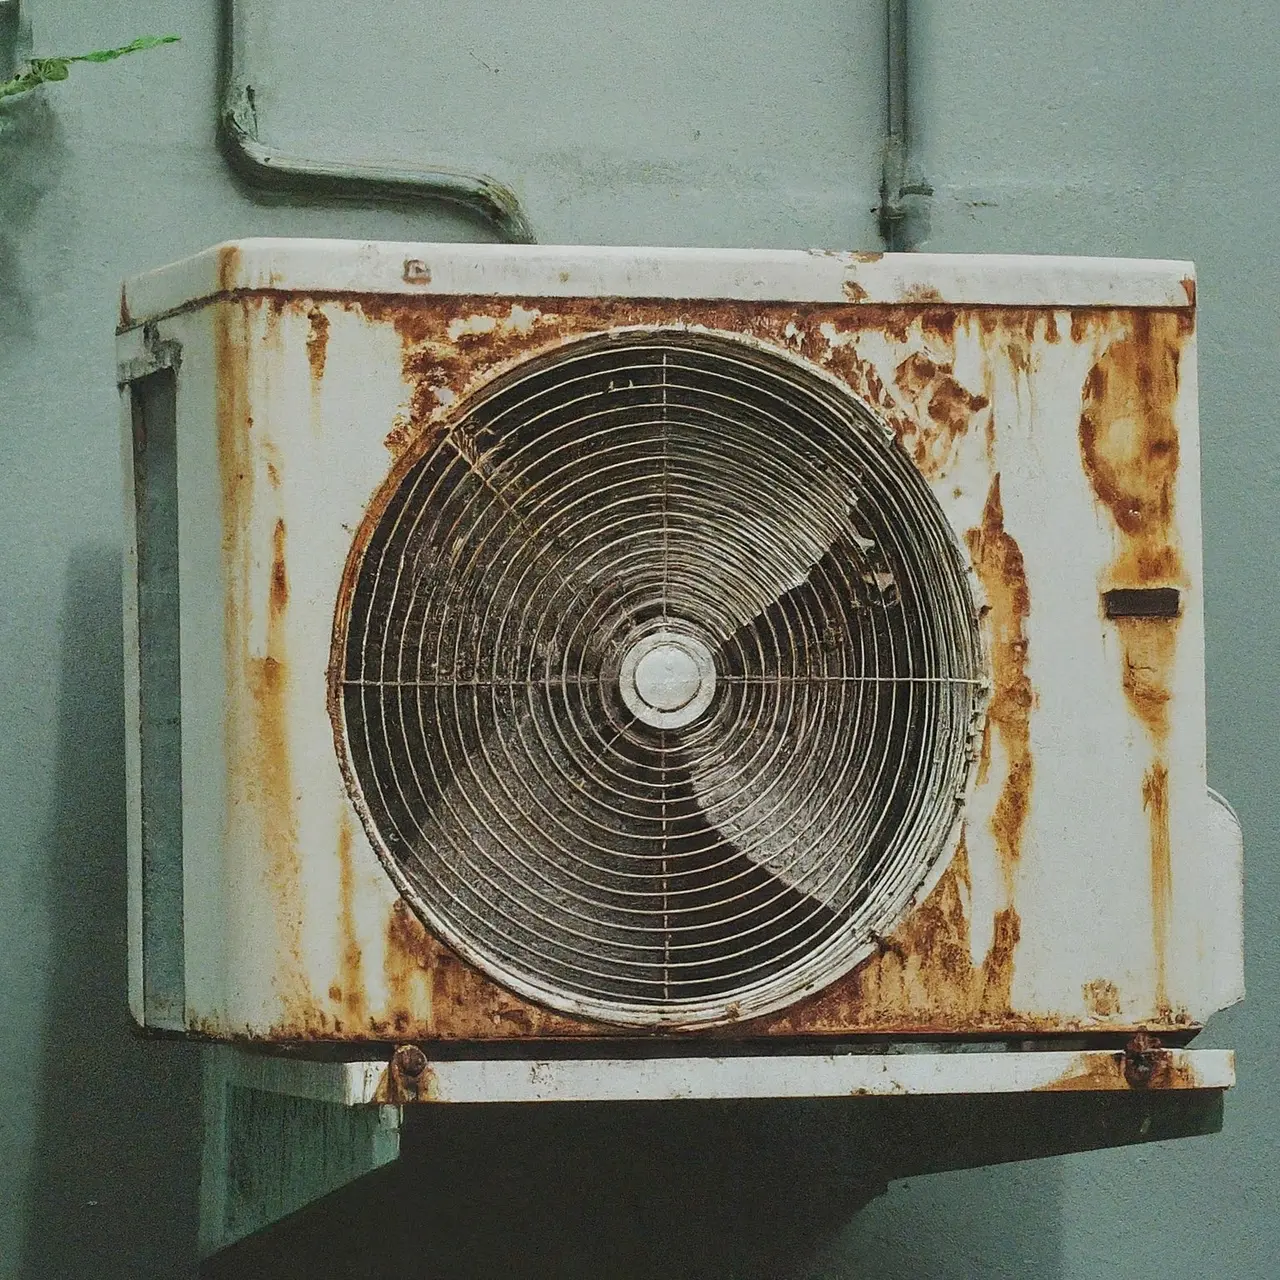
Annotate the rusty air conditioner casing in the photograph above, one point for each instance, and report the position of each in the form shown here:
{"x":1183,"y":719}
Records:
{"x":280,"y":396}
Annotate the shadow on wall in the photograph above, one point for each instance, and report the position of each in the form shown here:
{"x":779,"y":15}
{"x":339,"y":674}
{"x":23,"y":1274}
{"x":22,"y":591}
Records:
{"x":749,"y":1190}
{"x":114,"y":1185}
{"x":592,"y":1191}
{"x":31,"y":154}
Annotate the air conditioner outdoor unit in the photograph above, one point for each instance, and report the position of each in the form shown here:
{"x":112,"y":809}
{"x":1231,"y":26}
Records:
{"x":659,"y":659}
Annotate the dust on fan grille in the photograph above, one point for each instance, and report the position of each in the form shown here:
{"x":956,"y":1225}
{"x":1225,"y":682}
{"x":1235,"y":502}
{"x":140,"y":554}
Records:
{"x":651,"y":485}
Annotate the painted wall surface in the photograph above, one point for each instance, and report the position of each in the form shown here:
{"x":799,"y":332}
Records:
{"x":1111,"y":128}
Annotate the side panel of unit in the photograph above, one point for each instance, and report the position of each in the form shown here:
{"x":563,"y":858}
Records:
{"x":175,"y":681}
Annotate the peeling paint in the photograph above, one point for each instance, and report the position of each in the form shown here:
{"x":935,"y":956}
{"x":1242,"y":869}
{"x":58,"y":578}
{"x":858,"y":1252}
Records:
{"x":1101,"y":998}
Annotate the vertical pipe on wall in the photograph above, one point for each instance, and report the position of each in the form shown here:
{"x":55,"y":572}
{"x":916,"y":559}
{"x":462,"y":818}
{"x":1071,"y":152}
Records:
{"x":265,"y":166}
{"x":12,"y":38}
{"x":896,"y":183}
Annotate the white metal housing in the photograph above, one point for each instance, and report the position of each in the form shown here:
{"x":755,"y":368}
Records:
{"x":1093,"y":885}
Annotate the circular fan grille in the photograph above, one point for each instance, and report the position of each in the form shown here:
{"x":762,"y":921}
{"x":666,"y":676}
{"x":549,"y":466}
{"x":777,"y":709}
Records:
{"x":658,"y":679}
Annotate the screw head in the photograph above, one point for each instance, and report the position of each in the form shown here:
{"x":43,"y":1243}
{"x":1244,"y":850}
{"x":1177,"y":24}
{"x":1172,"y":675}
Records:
{"x":409,"y":1060}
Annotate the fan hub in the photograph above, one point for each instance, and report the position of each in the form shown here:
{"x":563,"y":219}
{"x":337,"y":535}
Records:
{"x":668,"y":679}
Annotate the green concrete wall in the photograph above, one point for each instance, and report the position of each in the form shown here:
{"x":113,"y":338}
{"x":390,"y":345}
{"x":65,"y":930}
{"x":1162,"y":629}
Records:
{"x":1113,"y":128}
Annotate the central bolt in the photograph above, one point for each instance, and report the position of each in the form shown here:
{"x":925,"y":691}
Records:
{"x":667,"y":679}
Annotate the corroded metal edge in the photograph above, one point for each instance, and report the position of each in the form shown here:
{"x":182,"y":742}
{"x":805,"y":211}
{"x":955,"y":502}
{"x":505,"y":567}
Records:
{"x":1144,"y":1064}
{"x":597,"y":271}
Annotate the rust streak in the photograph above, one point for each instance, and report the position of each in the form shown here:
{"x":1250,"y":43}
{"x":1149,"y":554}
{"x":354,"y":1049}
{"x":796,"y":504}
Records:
{"x":228,"y":268}
{"x":317,"y":342}
{"x":1129,"y":445}
{"x":1155,"y":799}
{"x":279,"y":576}
{"x":1130,"y":452}
{"x":998,"y":561}
{"x":351,"y":984}
{"x":260,"y":773}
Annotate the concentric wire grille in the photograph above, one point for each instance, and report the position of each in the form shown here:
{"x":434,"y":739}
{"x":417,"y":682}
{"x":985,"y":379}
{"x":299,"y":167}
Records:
{"x":620,"y":493}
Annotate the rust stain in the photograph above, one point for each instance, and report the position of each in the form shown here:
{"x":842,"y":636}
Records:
{"x":1147,"y":648}
{"x":279,"y":575}
{"x":998,"y":562}
{"x":1130,"y":451}
{"x":939,"y":323}
{"x":921,"y":978}
{"x":408,"y":979}
{"x":398,"y":439}
{"x":944,"y":409}
{"x":126,"y":320}
{"x":317,"y":342}
{"x":351,"y":984}
{"x":228,"y":268}
{"x":1189,"y":288}
{"x":867,"y":255}
{"x":260,"y":769}
{"x":1098,"y":1071}
{"x":1101,"y":998}
{"x":921,"y":293}
{"x":854,"y":291}
{"x":1129,"y":445}
{"x":443,"y":997}
{"x":1155,"y":800}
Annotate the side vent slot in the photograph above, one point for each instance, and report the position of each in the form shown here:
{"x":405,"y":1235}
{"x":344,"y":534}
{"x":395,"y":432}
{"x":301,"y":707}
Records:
{"x":155,"y":468}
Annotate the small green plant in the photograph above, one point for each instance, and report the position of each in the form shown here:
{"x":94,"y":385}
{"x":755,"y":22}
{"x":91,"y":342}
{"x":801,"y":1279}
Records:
{"x":43,"y":70}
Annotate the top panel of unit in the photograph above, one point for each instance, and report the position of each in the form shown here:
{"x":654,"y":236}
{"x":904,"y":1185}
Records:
{"x":751,"y":275}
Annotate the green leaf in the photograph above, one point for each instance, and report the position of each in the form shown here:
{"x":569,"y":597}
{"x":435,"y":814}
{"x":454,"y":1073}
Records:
{"x":46,"y":70}
{"x":134,"y":46}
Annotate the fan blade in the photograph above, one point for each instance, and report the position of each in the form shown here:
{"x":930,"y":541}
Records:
{"x":731,"y":920}
{"x":743,"y":531}
{"x":546,"y":843}
{"x":812,"y":718}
